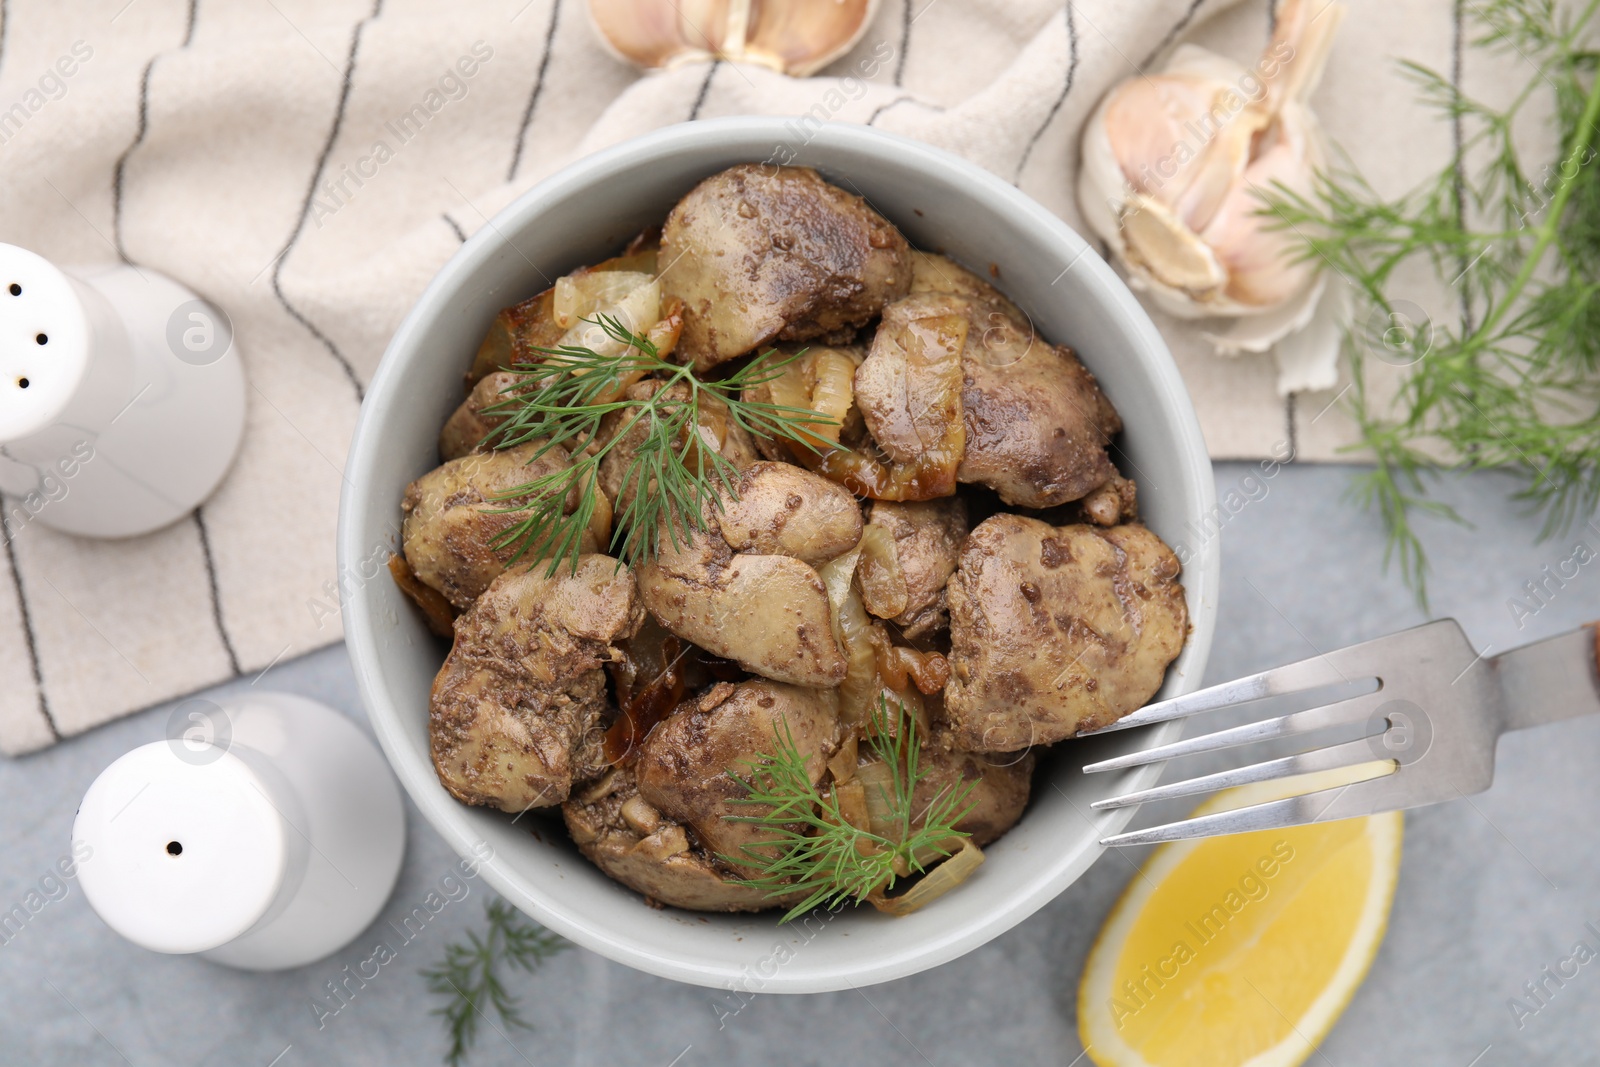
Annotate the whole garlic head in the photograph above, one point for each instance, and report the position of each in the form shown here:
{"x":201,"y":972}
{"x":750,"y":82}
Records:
{"x":1177,"y":165}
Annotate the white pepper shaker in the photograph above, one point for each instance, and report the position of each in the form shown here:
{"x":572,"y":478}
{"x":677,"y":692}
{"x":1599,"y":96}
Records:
{"x":122,"y":397}
{"x":264,"y":834}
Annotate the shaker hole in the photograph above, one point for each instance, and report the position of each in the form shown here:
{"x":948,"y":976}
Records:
{"x":16,"y":290}
{"x":174,"y":848}
{"x":42,"y":339}
{"x":23,"y":383}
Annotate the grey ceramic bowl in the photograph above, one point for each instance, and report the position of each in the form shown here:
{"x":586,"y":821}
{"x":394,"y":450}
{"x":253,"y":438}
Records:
{"x":583,"y":214}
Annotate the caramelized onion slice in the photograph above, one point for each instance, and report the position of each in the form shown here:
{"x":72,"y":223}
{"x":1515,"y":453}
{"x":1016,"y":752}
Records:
{"x":583,"y":293}
{"x":939,"y":881}
{"x":843,"y":764}
{"x":638,"y":309}
{"x":899,"y":666}
{"x":877,"y":781}
{"x":883,"y":583}
{"x":822,"y":380}
{"x":852,"y":800}
{"x":436,"y":610}
{"x":853,"y":629}
{"x":909,"y":392}
{"x":832,"y":374}
{"x":600,"y":518}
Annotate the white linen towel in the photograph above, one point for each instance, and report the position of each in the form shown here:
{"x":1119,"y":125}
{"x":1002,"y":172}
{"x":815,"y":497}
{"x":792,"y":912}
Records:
{"x":309,"y":164}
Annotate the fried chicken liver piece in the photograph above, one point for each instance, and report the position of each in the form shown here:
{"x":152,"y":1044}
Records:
{"x":745,"y":587}
{"x":1054,"y":630}
{"x":761,"y":253}
{"x":517,"y":711}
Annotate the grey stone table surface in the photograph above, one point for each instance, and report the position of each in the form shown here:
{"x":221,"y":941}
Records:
{"x":1492,"y":890}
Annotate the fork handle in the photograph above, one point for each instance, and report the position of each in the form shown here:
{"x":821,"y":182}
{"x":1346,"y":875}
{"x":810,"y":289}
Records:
{"x":1551,"y":680}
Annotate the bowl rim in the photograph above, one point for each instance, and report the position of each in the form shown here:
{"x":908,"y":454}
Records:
{"x":449,"y":818}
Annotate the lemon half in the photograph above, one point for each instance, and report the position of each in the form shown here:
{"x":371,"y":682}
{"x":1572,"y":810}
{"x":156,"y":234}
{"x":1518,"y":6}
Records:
{"x":1240,"y":950}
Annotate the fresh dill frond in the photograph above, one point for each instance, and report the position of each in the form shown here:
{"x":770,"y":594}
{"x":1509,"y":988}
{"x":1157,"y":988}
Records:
{"x":470,"y":976}
{"x":671,"y":478}
{"x":1510,"y":376}
{"x":815,"y":849}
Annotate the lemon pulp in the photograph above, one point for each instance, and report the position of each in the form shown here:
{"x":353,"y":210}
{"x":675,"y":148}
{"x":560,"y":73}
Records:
{"x":1239,"y":949}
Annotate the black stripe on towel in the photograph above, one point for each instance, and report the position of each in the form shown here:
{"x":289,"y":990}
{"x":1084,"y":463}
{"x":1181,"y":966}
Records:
{"x":905,"y":43}
{"x":216,"y":597}
{"x":122,"y":160}
{"x":138,"y":137}
{"x":907,"y":99}
{"x":1183,"y":24}
{"x":27,"y":627}
{"x":1072,"y":74}
{"x":311,"y":193}
{"x":1457,"y":142}
{"x":885,"y":107}
{"x":116,"y":233}
{"x":538,"y":89}
{"x":705,"y":89}
{"x":455,"y":227}
{"x":1291,"y":411}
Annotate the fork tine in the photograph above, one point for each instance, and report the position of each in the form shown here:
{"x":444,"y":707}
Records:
{"x":1334,"y":757}
{"x":1294,"y":678}
{"x":1339,"y":713}
{"x":1368,"y":797}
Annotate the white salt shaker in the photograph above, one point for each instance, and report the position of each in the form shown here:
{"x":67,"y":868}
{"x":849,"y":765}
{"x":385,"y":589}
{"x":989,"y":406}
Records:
{"x":122,"y":399}
{"x":264,"y":834}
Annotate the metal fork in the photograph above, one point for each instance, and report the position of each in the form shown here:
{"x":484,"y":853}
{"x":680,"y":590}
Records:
{"x":1433,"y":723}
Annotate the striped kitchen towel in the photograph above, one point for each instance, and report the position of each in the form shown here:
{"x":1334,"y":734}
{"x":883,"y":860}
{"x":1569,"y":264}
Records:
{"x":308,"y":165}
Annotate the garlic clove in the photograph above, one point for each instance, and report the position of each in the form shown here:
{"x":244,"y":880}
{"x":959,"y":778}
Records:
{"x":1237,"y":110}
{"x":648,"y":34}
{"x":1264,"y":264}
{"x":795,"y":37}
{"x":1145,"y":122}
{"x":800,"y":38}
{"x":1160,"y":244}
{"x":1220,"y":168}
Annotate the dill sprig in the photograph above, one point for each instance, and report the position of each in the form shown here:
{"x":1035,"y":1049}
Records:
{"x":815,"y":849}
{"x":672,"y":476}
{"x":1512,"y":382}
{"x":470,"y":975}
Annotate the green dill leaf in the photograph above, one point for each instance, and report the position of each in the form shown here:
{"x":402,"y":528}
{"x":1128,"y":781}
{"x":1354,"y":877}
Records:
{"x":1512,"y":383}
{"x":813,"y":849}
{"x":470,"y":976}
{"x":671,"y":481}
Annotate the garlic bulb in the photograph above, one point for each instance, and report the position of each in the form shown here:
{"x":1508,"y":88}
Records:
{"x":797,"y":37}
{"x":1175,"y":170}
